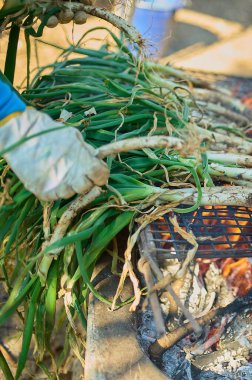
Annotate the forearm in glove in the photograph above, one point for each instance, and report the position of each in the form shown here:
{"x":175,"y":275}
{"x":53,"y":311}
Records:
{"x":55,"y":164}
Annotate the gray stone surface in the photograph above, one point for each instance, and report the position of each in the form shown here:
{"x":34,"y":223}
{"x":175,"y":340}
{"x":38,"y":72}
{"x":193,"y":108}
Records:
{"x":113,"y":352}
{"x":233,"y":10}
{"x":184,"y":35}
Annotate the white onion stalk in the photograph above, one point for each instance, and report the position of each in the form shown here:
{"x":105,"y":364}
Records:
{"x":212,"y":196}
{"x":228,"y":171}
{"x":139,"y":143}
{"x":233,"y":159}
{"x":113,"y":19}
{"x":66,"y":219}
{"x":239,"y":144}
{"x":202,"y":94}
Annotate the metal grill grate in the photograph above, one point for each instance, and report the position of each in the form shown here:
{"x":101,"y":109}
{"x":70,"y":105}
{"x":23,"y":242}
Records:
{"x":221,"y":232}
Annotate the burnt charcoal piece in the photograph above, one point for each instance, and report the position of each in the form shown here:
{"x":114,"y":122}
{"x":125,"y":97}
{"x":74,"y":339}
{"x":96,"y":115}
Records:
{"x":173,"y":367}
{"x":238,"y":328}
{"x":225,"y":361}
{"x":209,"y":375}
{"x":186,"y":371}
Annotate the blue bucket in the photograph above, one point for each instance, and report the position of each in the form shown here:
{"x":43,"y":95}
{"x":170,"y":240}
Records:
{"x":153,"y":19}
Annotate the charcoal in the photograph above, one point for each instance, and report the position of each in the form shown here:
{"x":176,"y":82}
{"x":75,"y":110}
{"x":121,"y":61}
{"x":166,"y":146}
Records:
{"x":186,"y":371}
{"x":210,"y":375}
{"x":170,"y":366}
{"x":146,"y":330}
{"x":240,"y":327}
{"x":227,"y":360}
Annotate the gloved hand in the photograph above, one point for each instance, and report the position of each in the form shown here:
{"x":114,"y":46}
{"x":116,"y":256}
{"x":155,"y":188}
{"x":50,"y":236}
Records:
{"x":53,"y":165}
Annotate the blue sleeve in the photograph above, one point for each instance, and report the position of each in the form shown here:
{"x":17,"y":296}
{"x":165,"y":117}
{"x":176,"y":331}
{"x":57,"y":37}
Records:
{"x":9,"y":101}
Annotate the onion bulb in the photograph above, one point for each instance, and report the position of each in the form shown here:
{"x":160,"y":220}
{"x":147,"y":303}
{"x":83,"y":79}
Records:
{"x":87,"y":2}
{"x":65,"y":16}
{"x":52,"y":22}
{"x":80,"y":17}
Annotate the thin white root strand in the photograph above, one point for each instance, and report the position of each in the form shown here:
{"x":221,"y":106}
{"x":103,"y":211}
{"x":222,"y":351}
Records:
{"x":189,"y":236}
{"x":139,"y":143}
{"x":163,"y":284}
{"x":73,"y":210}
{"x":128,"y":269}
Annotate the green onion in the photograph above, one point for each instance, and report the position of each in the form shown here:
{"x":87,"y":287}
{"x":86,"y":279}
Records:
{"x":133,"y":98}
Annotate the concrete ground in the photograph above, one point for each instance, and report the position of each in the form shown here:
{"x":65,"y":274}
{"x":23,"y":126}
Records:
{"x":189,"y":30}
{"x":214,"y":36}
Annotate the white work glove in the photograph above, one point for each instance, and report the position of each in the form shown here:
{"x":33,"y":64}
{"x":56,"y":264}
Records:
{"x":53,"y":165}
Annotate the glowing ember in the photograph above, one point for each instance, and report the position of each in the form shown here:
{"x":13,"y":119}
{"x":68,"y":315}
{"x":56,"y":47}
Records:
{"x":238,"y":274}
{"x":247,"y":100}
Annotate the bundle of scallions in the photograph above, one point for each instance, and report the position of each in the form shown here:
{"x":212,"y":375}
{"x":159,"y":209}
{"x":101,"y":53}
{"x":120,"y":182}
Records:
{"x":49,"y":250}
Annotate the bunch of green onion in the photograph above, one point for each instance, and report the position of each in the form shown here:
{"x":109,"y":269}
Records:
{"x":132,"y":98}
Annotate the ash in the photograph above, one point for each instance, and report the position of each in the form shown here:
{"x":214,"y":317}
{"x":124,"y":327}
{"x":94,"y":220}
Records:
{"x":178,"y":365}
{"x":189,"y":358}
{"x":146,"y":332}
